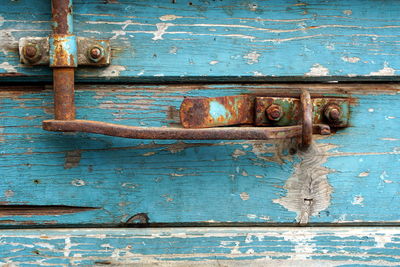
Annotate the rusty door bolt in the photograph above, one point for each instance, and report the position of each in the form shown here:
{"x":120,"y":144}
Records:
{"x":332,"y":112}
{"x":274,"y":112}
{"x":96,"y":53}
{"x":31,"y":52}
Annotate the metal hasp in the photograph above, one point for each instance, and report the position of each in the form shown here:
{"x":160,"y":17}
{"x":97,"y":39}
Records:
{"x":199,"y":113}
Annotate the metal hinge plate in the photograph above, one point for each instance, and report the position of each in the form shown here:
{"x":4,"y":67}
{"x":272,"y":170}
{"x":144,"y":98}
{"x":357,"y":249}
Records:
{"x":91,"y":52}
{"x":202,"y":112}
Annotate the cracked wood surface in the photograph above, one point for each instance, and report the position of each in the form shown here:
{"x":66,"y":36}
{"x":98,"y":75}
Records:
{"x":102,"y":180}
{"x":219,"y":40}
{"x":278,"y":246}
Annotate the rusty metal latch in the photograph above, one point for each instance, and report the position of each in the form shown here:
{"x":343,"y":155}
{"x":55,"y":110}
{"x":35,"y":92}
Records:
{"x":254,"y":118}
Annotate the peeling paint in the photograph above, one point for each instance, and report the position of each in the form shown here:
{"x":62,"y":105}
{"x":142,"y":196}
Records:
{"x":173,"y":50}
{"x":252,"y":57}
{"x":308,"y":190}
{"x":112,"y":71}
{"x":364,"y":174}
{"x":318,"y":70}
{"x":358,"y":200}
{"x":161,"y":28}
{"x":351,"y":59}
{"x":258,"y":74}
{"x":78,"y":182}
{"x":9,"y":193}
{"x":8,"y":67}
{"x":238,"y":153}
{"x":385,"y":71}
{"x":213,"y":62}
{"x":348,"y":12}
{"x":169,"y":17}
{"x":244,"y":196}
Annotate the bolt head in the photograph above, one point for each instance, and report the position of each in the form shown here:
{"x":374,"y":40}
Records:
{"x":332,"y":113}
{"x":31,"y":52}
{"x":96,"y":53}
{"x":274,"y":112}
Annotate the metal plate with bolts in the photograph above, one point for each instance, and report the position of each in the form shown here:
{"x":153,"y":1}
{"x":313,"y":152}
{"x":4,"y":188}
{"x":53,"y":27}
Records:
{"x":91,"y":52}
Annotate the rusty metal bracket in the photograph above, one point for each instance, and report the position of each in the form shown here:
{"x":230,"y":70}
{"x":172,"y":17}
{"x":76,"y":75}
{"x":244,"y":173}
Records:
{"x":204,"y":112}
{"x":89,"y":51}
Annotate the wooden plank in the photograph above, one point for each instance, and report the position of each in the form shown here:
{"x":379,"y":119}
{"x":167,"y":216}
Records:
{"x":283,"y":246}
{"x":219,"y":40}
{"x":72,"y":178}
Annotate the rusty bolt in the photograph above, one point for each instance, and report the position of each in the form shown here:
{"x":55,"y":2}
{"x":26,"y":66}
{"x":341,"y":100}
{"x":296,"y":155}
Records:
{"x":31,"y":52}
{"x":96,"y":53}
{"x":325,"y":130}
{"x":332,"y":112}
{"x":274,"y":112}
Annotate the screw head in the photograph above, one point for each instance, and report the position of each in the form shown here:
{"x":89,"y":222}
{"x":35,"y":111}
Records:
{"x":274,"y":112}
{"x":96,"y":53}
{"x":332,"y":113}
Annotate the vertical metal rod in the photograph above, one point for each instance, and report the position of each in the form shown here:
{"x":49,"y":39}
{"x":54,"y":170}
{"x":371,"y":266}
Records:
{"x":63,"y":77}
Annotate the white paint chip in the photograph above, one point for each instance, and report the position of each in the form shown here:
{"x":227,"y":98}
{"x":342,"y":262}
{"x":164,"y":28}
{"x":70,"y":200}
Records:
{"x":78,"y":182}
{"x":173,"y":50}
{"x":385,"y":71}
{"x":213,"y":62}
{"x":244,"y":196}
{"x":347,"y":12}
{"x":9,"y":193}
{"x":364,"y":174}
{"x":161,"y":28}
{"x":252,"y":57}
{"x":112,"y":71}
{"x":257,"y":73}
{"x":169,"y":17}
{"x":358,"y":200}
{"x":7,"y":67}
{"x":371,"y":110}
{"x":318,"y":70}
{"x":351,"y":59}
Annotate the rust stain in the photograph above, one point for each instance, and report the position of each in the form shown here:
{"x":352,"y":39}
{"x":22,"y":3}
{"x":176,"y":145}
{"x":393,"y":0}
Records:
{"x":203,"y":112}
{"x":72,"y":159}
{"x":29,"y":210}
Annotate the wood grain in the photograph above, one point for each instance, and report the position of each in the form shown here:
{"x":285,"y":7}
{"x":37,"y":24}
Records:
{"x":194,"y":181}
{"x":283,"y":246}
{"x":226,"y":40}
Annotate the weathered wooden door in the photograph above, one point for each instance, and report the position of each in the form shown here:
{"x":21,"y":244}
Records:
{"x":114,"y":200}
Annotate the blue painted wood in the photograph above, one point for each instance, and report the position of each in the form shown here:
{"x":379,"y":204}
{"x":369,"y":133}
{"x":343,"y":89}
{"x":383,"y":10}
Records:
{"x":203,"y":246}
{"x":219,"y":40}
{"x":197,"y":181}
